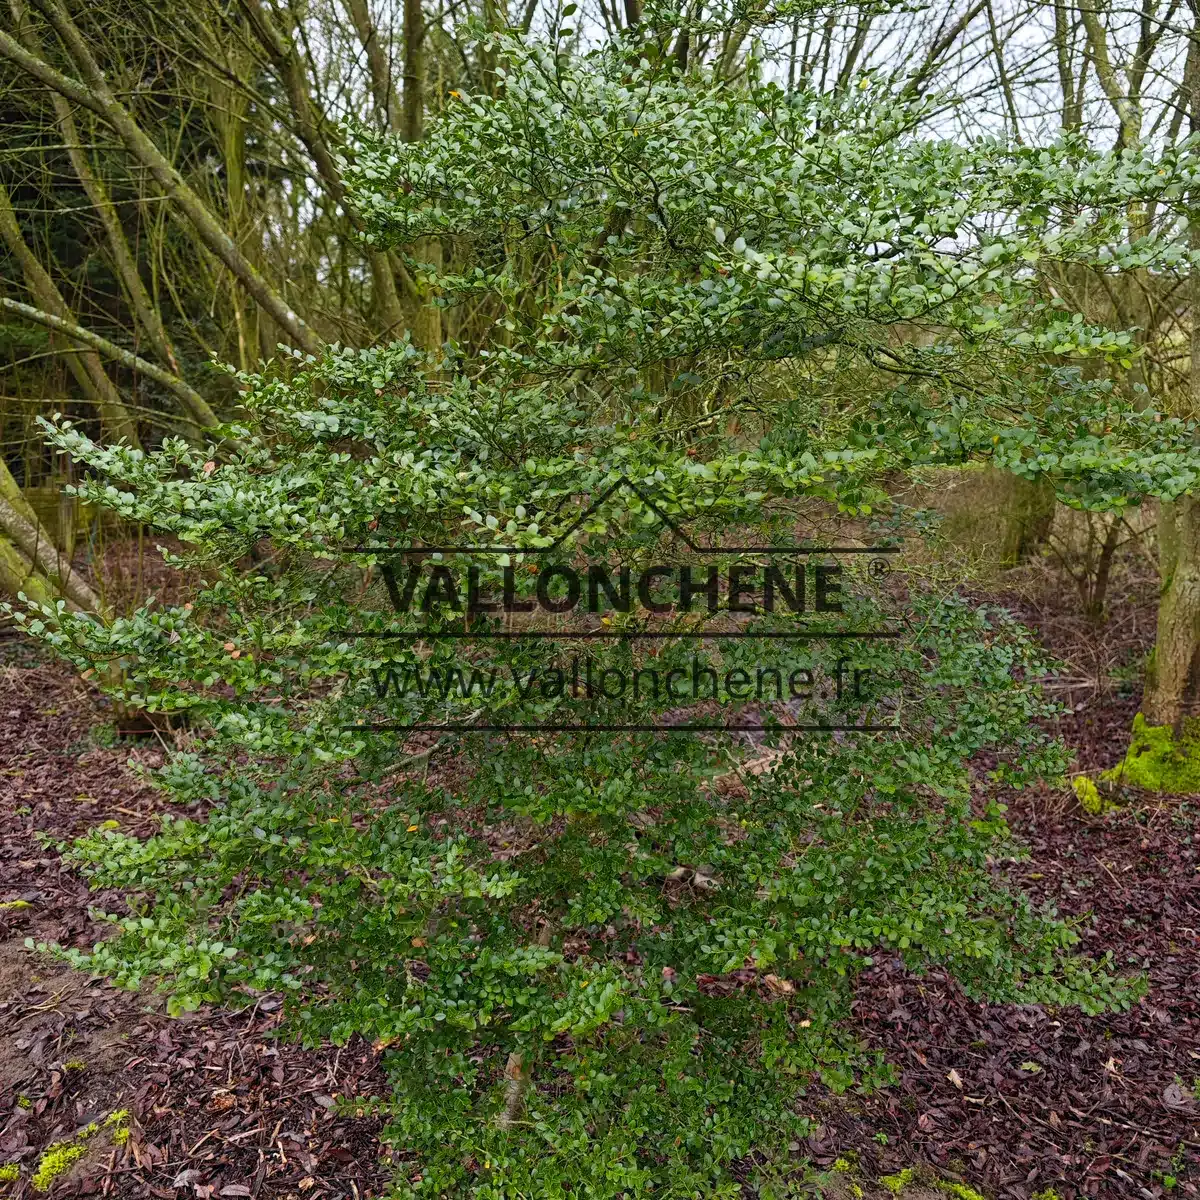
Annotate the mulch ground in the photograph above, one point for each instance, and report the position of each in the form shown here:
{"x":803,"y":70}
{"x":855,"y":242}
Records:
{"x":219,"y":1106}
{"x":1012,"y":1101}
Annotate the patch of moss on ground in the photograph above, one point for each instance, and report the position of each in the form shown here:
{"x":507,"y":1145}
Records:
{"x":847,"y":1174}
{"x":56,"y":1162}
{"x":10,"y":1173}
{"x":1088,"y":795}
{"x":62,"y":1156}
{"x":118,"y":1125}
{"x":961,"y":1191}
{"x":1158,"y":761}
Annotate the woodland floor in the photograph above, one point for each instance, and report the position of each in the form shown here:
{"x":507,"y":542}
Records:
{"x":1012,"y":1101}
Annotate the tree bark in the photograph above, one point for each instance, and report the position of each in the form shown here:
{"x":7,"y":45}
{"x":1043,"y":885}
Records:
{"x":17,"y":575}
{"x":414,"y":71}
{"x":22,"y":531}
{"x":1172,"y":677}
{"x":427,"y":320}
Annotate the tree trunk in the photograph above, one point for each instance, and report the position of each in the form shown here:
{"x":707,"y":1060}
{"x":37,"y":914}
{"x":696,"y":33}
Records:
{"x":427,"y":320}
{"x":1026,"y":518}
{"x":1171,"y":677}
{"x":17,"y":575}
{"x":23,"y":532}
{"x":1097,"y":591}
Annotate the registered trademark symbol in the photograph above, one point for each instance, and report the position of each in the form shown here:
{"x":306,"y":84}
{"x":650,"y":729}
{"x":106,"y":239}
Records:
{"x":879,"y":567}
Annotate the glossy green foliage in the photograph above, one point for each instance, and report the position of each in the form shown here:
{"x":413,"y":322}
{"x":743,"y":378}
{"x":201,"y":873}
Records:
{"x":754,"y":307}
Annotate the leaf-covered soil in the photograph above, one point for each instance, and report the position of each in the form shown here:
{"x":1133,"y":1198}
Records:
{"x":1012,"y":1102}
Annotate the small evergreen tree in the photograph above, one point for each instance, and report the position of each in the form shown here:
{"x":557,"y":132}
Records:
{"x":757,"y":308}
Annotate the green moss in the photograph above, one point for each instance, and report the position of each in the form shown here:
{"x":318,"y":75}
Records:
{"x":10,"y":1173}
{"x":57,"y":1160}
{"x":1088,"y":795}
{"x":24,"y":1102}
{"x":10,"y":905}
{"x":898,"y":1182}
{"x":841,"y":1165}
{"x":961,"y":1191}
{"x":1158,"y":761}
{"x":62,"y":1156}
{"x":76,"y":1064}
{"x":118,"y":1122}
{"x":1048,"y":1194}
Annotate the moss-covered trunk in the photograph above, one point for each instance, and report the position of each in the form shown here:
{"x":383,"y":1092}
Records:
{"x":1164,"y":752}
{"x":1164,"y":746}
{"x":1171,"y":679}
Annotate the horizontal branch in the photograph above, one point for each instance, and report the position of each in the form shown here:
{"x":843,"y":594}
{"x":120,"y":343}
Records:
{"x":200,"y":413}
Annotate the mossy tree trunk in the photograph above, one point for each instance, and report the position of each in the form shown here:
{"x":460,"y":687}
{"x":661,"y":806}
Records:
{"x":19,"y":576}
{"x":30,"y":560}
{"x":1171,"y":680}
